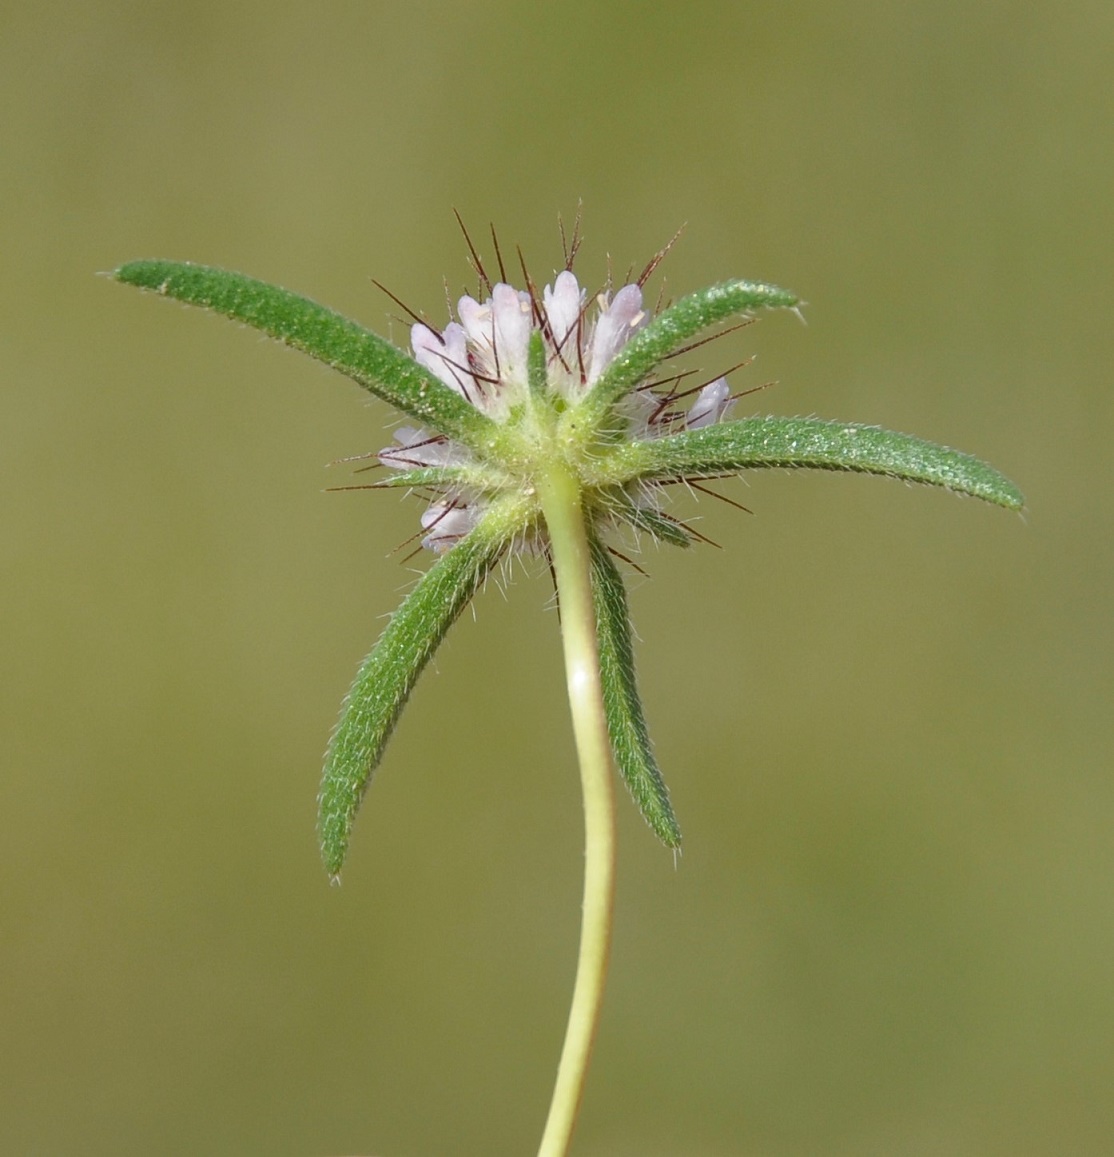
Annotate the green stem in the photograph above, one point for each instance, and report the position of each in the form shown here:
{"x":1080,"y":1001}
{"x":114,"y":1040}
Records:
{"x":560,"y":497}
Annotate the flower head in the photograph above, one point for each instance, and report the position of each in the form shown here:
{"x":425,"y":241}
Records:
{"x":485,"y":358}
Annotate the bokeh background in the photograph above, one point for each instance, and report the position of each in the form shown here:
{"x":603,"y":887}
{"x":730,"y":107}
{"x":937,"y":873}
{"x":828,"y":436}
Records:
{"x":885,"y":713}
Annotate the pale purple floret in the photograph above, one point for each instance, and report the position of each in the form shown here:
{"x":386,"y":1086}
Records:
{"x":563,"y":305}
{"x":498,"y":334}
{"x":445,"y":357}
{"x":447,"y":524}
{"x":710,"y":406}
{"x":513,"y":317}
{"x":616,"y":323}
{"x":417,"y":448}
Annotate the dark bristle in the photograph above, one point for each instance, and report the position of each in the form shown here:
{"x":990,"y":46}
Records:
{"x":753,"y":390}
{"x":579,"y":330}
{"x":696,"y":389}
{"x":658,"y":415}
{"x":498,"y":254}
{"x":432,"y":440}
{"x":495,"y":349}
{"x":470,"y":371}
{"x":535,"y":300}
{"x":477,"y":264}
{"x":558,"y":351}
{"x":689,"y":530}
{"x":721,"y":497}
{"x":658,"y":258}
{"x":570,"y":248}
{"x":405,"y":308}
{"x":712,"y":337}
{"x":629,"y":561}
{"x":656,"y":384}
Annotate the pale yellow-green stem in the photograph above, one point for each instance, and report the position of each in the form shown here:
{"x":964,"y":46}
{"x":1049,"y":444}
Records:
{"x":560,"y":496}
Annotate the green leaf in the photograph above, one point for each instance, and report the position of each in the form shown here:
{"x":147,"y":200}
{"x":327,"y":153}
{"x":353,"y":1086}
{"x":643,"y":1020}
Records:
{"x":468,"y":477}
{"x":435,"y":477}
{"x":626,"y":725}
{"x":325,"y":335}
{"x":675,"y":325}
{"x":385,"y":680}
{"x":809,"y":443}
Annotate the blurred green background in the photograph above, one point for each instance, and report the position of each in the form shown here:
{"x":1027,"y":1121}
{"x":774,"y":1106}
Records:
{"x":885,"y":713}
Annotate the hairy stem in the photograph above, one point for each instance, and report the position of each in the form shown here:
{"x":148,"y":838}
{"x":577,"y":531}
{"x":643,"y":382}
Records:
{"x":571,"y":555}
